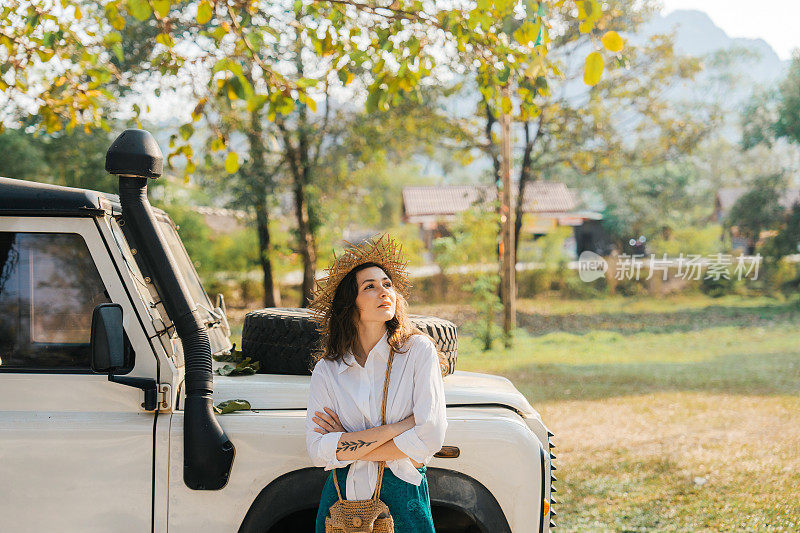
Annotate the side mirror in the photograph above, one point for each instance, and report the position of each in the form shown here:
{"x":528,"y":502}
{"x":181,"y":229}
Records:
{"x":222,"y":309}
{"x":108,"y":352}
{"x":107,"y":341}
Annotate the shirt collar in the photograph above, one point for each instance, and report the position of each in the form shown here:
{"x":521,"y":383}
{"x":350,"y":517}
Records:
{"x":381,"y":350}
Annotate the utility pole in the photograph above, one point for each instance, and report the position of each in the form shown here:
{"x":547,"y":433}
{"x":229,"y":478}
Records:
{"x":508,"y":277}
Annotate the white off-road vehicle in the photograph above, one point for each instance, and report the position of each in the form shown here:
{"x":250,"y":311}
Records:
{"x":108,"y":387}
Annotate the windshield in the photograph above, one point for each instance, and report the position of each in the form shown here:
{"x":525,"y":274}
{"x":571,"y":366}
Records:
{"x":133,"y":268}
{"x":186,"y":268}
{"x":217,"y":334}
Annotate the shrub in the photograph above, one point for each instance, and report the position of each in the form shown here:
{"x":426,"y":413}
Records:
{"x":486,"y":303}
{"x":691,"y":240}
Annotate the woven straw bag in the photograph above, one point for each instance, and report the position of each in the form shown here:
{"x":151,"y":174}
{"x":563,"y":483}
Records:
{"x":363,"y":516}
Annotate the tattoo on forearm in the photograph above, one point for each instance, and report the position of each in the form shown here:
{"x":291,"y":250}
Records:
{"x":351,"y":446}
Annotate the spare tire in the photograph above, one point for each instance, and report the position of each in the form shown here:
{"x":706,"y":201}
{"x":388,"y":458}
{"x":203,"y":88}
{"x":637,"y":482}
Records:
{"x":283,"y":340}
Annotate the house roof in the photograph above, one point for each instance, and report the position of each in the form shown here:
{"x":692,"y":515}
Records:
{"x":539,"y":197}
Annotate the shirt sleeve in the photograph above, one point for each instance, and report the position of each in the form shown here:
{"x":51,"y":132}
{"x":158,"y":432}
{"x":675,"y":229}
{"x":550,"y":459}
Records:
{"x":321,"y":448}
{"x":426,"y":438}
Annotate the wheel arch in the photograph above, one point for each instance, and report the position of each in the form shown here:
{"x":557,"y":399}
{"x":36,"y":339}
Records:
{"x":300,"y":490}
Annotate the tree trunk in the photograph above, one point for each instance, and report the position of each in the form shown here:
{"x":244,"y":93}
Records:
{"x":272,"y":297}
{"x":490,"y":122}
{"x":301,"y":171}
{"x":259,"y":185}
{"x":305,"y":242}
{"x":524,"y":178}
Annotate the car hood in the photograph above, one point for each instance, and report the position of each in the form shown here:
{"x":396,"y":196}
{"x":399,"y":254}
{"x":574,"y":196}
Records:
{"x":272,"y":391}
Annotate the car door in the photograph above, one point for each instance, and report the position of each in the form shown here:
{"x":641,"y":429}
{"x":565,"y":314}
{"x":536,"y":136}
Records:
{"x":76,"y":450}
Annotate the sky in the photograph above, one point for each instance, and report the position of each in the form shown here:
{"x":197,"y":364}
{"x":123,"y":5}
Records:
{"x":772,"y":20}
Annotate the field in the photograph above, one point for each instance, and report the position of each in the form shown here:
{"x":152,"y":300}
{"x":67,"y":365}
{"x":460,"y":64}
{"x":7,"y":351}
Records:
{"x":670,"y":414}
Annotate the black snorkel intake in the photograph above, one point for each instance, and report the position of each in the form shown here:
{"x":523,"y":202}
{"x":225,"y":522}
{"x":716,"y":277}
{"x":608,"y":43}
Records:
{"x":207,"y":451}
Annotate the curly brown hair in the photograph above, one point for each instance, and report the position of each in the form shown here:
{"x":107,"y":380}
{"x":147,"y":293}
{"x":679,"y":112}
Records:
{"x":343,"y":318}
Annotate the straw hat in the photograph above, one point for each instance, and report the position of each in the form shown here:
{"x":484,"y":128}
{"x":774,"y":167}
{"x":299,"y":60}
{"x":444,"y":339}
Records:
{"x":384,"y":251}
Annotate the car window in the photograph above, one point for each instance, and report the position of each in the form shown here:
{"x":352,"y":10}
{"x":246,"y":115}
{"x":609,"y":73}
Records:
{"x":49,"y":286}
{"x":185,"y":266}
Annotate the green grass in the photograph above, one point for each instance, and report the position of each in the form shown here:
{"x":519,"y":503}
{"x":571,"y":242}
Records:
{"x":674,"y":414}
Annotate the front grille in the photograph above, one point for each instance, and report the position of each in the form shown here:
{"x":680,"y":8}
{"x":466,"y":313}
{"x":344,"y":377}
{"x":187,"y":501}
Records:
{"x":553,"y":501}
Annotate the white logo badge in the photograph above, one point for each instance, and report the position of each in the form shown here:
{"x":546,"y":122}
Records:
{"x":591,"y":266}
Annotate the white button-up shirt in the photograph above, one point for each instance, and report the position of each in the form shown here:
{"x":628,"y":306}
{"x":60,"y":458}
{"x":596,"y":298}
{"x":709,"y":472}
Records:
{"x":355,"y":394}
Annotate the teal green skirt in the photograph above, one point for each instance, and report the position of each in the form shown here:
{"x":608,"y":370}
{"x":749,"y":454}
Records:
{"x":410,"y":505}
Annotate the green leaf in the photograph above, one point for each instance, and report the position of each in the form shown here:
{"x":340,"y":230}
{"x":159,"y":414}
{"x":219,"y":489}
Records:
{"x":593,"y":69}
{"x":49,"y":39}
{"x":139,"y":9}
{"x":117,"y":49}
{"x":229,"y":406}
{"x":256,"y":102}
{"x":239,"y":87}
{"x":503,"y":75}
{"x":232,"y":162}
{"x":186,"y":131}
{"x":204,"y":12}
{"x":373,"y":99}
{"x":228,"y":64}
{"x":345,"y":76}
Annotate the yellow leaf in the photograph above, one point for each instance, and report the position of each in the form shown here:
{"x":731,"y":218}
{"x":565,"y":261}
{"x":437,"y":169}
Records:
{"x":232,"y":162}
{"x":218,"y":144}
{"x":165,"y":39}
{"x":593,"y":68}
{"x":506,"y":106}
{"x":231,"y":92}
{"x":204,"y":12}
{"x":312,"y":105}
{"x":161,"y":7}
{"x":612,"y":41}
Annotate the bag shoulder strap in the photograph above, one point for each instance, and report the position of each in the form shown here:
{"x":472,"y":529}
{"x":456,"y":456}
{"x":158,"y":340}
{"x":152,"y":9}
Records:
{"x":382,"y":464}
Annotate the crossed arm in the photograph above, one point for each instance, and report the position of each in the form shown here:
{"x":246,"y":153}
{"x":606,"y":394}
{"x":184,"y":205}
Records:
{"x":418,"y":437}
{"x":374,"y":444}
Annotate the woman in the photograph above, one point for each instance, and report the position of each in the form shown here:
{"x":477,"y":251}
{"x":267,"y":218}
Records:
{"x":362,"y":312}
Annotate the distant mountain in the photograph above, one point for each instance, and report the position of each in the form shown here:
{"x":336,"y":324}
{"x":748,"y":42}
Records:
{"x":754,"y":64}
{"x":696,"y":34}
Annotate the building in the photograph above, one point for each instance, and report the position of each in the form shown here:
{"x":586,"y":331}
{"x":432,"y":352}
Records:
{"x":546,"y":205}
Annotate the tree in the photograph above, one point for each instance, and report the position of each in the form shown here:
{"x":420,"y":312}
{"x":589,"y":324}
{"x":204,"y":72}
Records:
{"x":787,"y":240}
{"x":775,"y":113}
{"x":237,"y":50}
{"x":652,"y":202}
{"x":73,"y":159}
{"x":788,"y":122}
{"x":583,"y":129}
{"x":758,"y":209}
{"x":28,"y":162}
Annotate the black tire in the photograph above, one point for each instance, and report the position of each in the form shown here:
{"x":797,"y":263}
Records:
{"x":283,"y":340}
